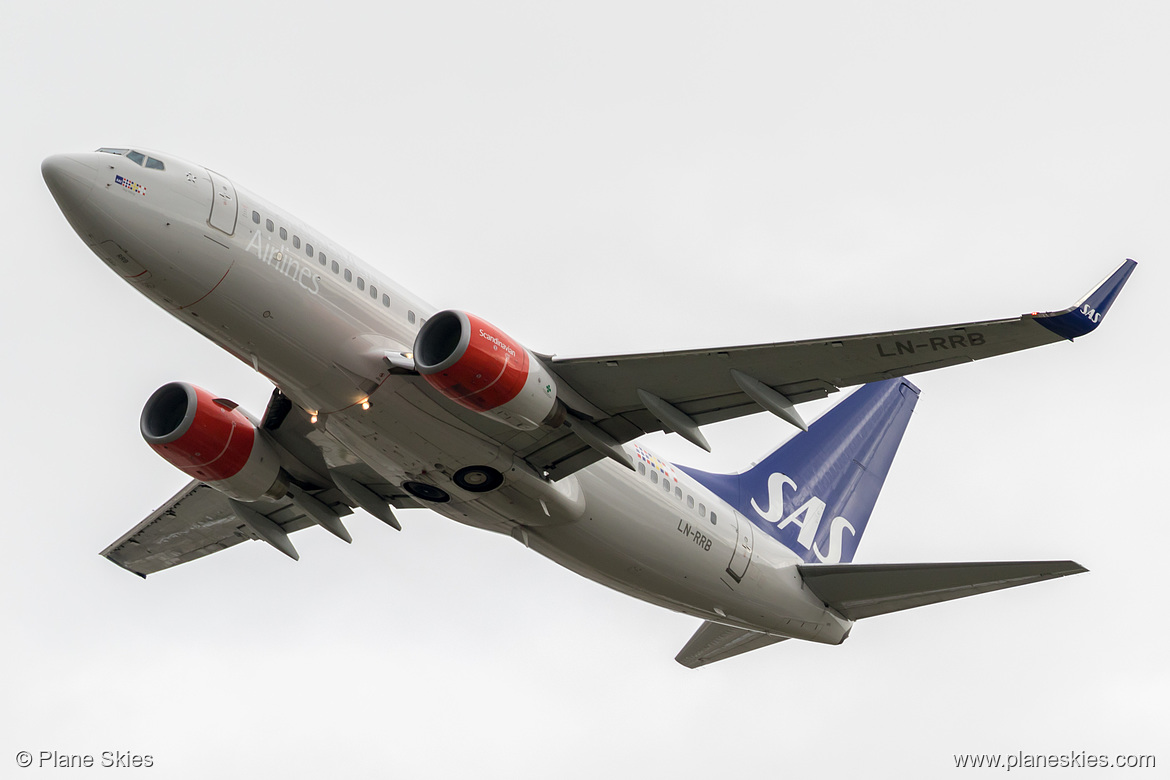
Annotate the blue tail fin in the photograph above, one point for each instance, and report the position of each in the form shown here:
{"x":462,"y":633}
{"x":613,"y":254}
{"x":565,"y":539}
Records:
{"x":815,"y":493}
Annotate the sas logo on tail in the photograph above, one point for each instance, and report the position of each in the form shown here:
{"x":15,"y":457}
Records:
{"x":807,"y":518}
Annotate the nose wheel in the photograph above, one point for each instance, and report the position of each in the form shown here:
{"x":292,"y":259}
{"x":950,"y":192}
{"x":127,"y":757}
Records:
{"x":478,"y":479}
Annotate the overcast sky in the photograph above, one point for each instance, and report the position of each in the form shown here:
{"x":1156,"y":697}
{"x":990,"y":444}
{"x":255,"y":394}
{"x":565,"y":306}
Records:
{"x":621,"y":177}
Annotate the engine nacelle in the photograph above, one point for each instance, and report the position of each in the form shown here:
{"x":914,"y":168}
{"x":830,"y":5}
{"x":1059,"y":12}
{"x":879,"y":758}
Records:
{"x":478,"y":366}
{"x":210,"y":439}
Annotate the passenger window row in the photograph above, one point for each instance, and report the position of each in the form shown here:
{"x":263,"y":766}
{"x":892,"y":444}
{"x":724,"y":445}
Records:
{"x":325,"y":262}
{"x":678,"y":493}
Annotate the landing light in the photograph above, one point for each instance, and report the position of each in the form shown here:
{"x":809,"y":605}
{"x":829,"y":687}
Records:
{"x":313,"y":419}
{"x":366,"y":405}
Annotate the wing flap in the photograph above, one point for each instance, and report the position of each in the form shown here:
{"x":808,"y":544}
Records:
{"x":715,"y":642}
{"x":864,"y":590}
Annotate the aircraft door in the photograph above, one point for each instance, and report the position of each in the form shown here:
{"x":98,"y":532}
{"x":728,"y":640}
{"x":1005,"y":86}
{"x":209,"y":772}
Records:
{"x":742,"y":555}
{"x":223,"y":204}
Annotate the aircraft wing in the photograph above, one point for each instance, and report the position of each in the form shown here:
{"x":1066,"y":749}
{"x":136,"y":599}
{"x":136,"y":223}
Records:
{"x":864,"y":590}
{"x":626,"y":396}
{"x":199,"y":520}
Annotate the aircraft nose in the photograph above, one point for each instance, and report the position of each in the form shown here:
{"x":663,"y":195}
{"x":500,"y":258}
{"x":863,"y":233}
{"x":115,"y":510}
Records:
{"x":70,"y":178}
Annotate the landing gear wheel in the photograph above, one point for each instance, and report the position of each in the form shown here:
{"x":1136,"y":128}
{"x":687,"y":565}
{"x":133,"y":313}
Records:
{"x":478,"y":479}
{"x":426,"y":492}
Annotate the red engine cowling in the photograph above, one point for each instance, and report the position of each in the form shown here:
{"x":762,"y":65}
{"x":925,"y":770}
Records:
{"x":478,"y":366}
{"x":210,"y":439}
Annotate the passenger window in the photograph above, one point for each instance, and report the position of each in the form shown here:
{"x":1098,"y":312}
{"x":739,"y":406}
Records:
{"x":309,"y":249}
{"x":336,"y":267}
{"x":642,"y":469}
{"x":256,"y":217}
{"x":373,"y":292}
{"x":702,"y":511}
{"x":283,"y":234}
{"x":678,"y":493}
{"x":714,"y":519}
{"x":323,"y":261}
{"x":155,"y":164}
{"x":361,"y":283}
{"x":348,"y":275}
{"x":654,"y":477}
{"x":410,"y":317}
{"x":666,"y":484}
{"x":386,"y":300}
{"x":137,"y":157}
{"x":268,"y":224}
{"x":690,"y":502}
{"x":296,"y":242}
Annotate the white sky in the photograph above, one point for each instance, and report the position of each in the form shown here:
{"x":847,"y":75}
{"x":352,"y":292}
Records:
{"x":623,"y":177}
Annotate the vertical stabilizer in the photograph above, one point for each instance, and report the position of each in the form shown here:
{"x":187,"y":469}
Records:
{"x":816,"y":492}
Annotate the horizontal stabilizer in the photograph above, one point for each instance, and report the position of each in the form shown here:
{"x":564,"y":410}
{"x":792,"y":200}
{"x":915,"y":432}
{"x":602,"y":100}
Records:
{"x":864,"y":590}
{"x":714,"y":642}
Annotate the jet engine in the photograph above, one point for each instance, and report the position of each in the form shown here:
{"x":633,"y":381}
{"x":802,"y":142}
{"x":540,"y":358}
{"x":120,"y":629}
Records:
{"x":478,"y":366}
{"x":213,"y":441}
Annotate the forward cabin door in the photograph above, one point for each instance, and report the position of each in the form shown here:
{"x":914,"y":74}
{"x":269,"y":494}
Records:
{"x":223,"y":204}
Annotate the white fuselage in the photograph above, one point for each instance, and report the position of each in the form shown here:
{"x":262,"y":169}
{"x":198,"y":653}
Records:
{"x":318,"y":323}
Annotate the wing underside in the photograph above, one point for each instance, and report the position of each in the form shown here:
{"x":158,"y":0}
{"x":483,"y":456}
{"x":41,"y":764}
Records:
{"x":702,"y":385}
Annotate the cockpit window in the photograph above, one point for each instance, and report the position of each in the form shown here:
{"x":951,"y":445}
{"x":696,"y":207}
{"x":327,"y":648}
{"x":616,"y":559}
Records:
{"x":156,"y":164}
{"x":137,"y":158}
{"x":109,"y":150}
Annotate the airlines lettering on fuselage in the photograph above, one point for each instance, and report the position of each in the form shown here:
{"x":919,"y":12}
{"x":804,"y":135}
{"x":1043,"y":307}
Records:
{"x":278,"y":258}
{"x":807,"y":517}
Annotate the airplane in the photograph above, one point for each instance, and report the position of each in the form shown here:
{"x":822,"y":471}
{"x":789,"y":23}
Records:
{"x":383,"y":402}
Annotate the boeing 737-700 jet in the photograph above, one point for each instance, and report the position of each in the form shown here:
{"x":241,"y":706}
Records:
{"x":382,"y":402}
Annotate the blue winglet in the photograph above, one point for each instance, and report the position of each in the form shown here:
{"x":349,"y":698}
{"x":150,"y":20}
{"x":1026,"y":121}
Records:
{"x":1087,"y":314}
